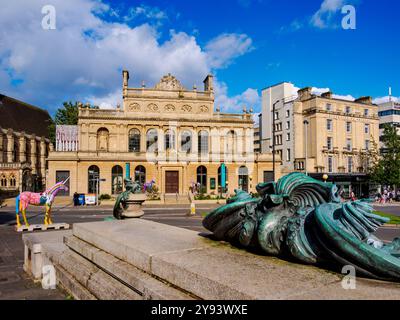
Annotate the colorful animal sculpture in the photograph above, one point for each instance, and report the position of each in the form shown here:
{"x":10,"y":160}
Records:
{"x":38,"y":199}
{"x":149,"y":185}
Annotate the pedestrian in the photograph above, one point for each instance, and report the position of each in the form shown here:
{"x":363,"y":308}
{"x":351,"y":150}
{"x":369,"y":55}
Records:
{"x":76,"y":199}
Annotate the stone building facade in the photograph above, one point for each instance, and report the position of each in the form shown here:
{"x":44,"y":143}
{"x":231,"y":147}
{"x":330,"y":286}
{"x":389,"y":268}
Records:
{"x":168,"y":134}
{"x":323,"y":135}
{"x":24,"y":146}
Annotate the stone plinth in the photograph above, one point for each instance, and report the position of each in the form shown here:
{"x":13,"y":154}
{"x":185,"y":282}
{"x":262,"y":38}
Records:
{"x":134,"y":206}
{"x":139,"y":259}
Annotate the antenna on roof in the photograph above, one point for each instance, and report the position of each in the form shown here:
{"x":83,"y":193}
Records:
{"x":390,"y":94}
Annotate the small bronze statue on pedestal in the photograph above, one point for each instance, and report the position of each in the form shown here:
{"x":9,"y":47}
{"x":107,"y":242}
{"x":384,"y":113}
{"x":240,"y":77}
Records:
{"x":129,"y":203}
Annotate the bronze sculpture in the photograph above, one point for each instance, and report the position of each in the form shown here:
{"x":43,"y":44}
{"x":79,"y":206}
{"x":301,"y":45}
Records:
{"x":304,"y":219}
{"x":129,"y":202}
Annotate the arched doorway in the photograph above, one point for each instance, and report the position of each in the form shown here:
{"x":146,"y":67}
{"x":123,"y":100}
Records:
{"x":27,"y":181}
{"x":116,"y":180}
{"x":202,"y":178}
{"x":140,"y":174}
{"x":243,"y":179}
{"x":93,"y":179}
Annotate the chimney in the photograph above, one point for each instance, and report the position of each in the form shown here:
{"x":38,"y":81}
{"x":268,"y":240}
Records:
{"x":305,"y":93}
{"x":209,"y":83}
{"x":125,"y":77}
{"x":364,"y":100}
{"x":327,"y":95}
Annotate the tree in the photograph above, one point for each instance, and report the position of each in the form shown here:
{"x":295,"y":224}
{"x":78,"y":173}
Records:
{"x":386,"y":168}
{"x":66,"y":115}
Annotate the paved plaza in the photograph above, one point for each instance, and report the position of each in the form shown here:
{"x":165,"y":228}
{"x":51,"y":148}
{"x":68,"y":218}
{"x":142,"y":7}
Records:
{"x":15,"y":284}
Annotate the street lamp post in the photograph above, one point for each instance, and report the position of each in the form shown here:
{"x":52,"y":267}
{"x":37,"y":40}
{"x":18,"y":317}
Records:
{"x":306,"y":123}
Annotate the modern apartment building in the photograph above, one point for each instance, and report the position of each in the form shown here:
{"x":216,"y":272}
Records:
{"x":321,"y":135}
{"x":389,"y":113}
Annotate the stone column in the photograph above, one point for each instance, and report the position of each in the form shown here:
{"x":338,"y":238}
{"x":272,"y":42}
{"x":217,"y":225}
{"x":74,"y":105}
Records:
{"x":143,"y":147}
{"x":10,"y":145}
{"x":22,"y":148}
{"x":33,"y":154}
{"x":195,"y":142}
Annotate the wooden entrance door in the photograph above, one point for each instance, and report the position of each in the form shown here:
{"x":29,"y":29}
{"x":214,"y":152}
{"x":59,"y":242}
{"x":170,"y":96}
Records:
{"x":172,"y":182}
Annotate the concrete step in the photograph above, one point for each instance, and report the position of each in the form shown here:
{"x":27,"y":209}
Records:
{"x":75,"y":272}
{"x":109,"y":259}
{"x":148,"y":287}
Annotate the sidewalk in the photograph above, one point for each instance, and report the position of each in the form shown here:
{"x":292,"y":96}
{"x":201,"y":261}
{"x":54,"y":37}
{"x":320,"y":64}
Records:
{"x":14,"y":282}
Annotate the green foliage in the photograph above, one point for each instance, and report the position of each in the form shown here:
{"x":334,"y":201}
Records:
{"x":386,"y":168}
{"x":393,"y":219}
{"x":105,"y":197}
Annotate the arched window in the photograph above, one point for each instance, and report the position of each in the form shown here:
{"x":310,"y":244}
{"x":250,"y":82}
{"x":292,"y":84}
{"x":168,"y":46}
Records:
{"x":152,"y":140}
{"x":116,"y":180}
{"x":3,"y":181}
{"x":93,"y":179}
{"x":220,"y":178}
{"x":202,"y":178}
{"x":102,"y":139}
{"x":169,"y":140}
{"x":134,"y":140}
{"x":12,"y":181}
{"x":203,"y":142}
{"x":140,"y":174}
{"x":231,"y":142}
{"x":244,"y":178}
{"x":186,"y":141}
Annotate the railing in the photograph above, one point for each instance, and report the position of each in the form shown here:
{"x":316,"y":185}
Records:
{"x":10,"y":165}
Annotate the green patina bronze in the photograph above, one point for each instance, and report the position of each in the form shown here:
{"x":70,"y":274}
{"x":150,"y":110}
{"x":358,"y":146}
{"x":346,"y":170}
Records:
{"x":121,"y":203}
{"x":302,"y":218}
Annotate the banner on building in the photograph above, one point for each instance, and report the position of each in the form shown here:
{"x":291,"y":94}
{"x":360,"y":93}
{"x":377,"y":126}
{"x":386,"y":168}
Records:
{"x":66,"y":138}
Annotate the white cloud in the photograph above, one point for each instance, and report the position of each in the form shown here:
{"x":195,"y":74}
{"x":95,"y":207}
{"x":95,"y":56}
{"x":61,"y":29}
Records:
{"x":319,"y":91}
{"x":83,"y":58}
{"x":380,"y":100}
{"x":249,"y":98}
{"x":323,"y":17}
{"x":222,"y":50}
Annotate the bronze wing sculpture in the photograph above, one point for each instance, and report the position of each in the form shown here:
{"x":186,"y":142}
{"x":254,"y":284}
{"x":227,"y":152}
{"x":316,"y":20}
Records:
{"x":303,"y":218}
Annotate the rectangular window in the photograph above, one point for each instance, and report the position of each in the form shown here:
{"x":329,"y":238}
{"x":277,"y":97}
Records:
{"x":349,"y":145}
{"x":348,"y":126}
{"x":287,"y":113}
{"x":350,"y":164}
{"x":288,"y":155}
{"x":276,"y":115}
{"x":330,"y":164}
{"x":329,"y":124}
{"x":366,"y":112}
{"x":287,"y":125}
{"x":366,"y":144}
{"x":347,"y":109}
{"x":287,"y":136}
{"x":329,"y":143}
{"x":366,"y":128}
{"x":328,"y":107}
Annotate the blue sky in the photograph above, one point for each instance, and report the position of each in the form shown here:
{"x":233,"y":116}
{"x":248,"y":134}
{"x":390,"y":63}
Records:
{"x":247,"y":44}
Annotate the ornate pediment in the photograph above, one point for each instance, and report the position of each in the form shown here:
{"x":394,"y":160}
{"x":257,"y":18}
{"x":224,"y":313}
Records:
{"x":169,"y":82}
